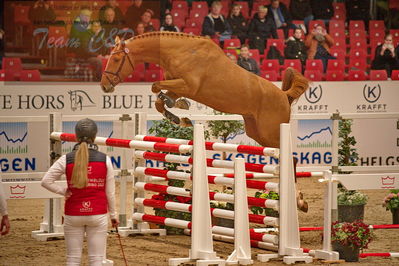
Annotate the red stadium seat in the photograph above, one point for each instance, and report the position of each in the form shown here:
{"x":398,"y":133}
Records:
{"x":270,"y":64}
{"x":339,"y":15}
{"x":395,"y":33}
{"x":314,"y":64}
{"x":30,"y":75}
{"x":232,"y":44}
{"x":336,"y":64}
{"x":140,"y":68}
{"x":356,"y":25}
{"x":334,"y":75}
{"x":338,"y":53}
{"x":336,"y":24}
{"x":298,"y":22}
{"x":280,"y":34}
{"x":198,"y":13}
{"x":198,"y":5}
{"x":356,"y":75}
{"x":376,"y":25}
{"x":153,"y":75}
{"x":21,"y":15}
{"x":275,"y":42}
{"x":269,"y":75}
{"x":313,"y":75}
{"x":12,"y":67}
{"x":378,"y":75}
{"x":294,"y":63}
{"x":179,"y":22}
{"x":340,"y":43}
{"x":395,"y":75}
{"x":229,"y":52}
{"x":358,"y":53}
{"x":358,"y":63}
{"x":254,"y":53}
{"x":180,"y":5}
{"x":152,"y":66}
{"x":357,"y":34}
{"x":136,"y":76}
{"x":179,"y":14}
{"x":192,"y":31}
{"x":194,"y":22}
{"x":357,"y":43}
{"x":377,"y":34}
{"x":157,"y":24}
{"x":339,"y":6}
{"x":337,"y":34}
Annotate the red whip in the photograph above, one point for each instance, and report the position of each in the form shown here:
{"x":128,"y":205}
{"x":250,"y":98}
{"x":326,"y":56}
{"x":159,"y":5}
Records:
{"x":120,"y":243}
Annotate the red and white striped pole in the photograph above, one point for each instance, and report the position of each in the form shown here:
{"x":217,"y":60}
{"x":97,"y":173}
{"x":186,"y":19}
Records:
{"x":127,"y":143}
{"x":215,"y":146}
{"x":260,"y":168}
{"x":252,"y":201}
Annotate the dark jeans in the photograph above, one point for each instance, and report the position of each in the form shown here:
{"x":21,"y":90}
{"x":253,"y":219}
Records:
{"x":324,"y":59}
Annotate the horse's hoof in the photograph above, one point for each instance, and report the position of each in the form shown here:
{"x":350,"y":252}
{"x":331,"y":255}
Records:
{"x":185,"y":122}
{"x":183,"y":104}
{"x":303,"y":206}
{"x":172,"y":117}
{"x":166,"y":99}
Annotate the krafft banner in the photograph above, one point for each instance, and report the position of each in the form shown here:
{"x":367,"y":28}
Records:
{"x":24,"y":145}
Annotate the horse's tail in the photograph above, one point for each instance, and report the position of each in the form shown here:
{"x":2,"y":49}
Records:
{"x":294,"y":84}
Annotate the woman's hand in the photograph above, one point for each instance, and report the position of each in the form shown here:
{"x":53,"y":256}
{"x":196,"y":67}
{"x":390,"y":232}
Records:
{"x":68,"y":194}
{"x":115,"y":222}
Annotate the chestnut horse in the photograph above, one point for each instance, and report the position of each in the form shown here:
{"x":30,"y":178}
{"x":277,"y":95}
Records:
{"x":196,"y":68}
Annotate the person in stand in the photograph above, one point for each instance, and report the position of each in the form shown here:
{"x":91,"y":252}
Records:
{"x":319,"y":44}
{"x":89,"y":195}
{"x":296,"y":48}
{"x":146,"y":20}
{"x":118,"y":15}
{"x":385,"y":56}
{"x":238,"y":23}
{"x":215,"y":25}
{"x":322,"y":10}
{"x":261,"y":28}
{"x":168,"y":24}
{"x":5,"y":223}
{"x":278,"y":12}
{"x":301,"y":10}
{"x":247,"y":62}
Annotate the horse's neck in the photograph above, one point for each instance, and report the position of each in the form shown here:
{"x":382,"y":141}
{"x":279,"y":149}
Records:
{"x":146,"y":49}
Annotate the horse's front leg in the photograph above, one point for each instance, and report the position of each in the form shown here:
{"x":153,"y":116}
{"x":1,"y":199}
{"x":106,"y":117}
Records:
{"x":175,"y":86}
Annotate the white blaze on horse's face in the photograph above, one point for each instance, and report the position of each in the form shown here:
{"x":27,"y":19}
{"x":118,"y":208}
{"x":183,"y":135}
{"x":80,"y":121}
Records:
{"x":119,"y":66}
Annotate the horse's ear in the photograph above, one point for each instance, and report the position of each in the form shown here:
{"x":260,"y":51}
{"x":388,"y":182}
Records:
{"x":117,"y":40}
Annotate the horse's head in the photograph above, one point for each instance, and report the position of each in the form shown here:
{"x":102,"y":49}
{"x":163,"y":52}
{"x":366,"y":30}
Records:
{"x":119,"y":66}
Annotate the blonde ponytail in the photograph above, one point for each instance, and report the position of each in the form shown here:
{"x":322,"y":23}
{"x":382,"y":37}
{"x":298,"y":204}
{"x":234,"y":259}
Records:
{"x":79,"y":174}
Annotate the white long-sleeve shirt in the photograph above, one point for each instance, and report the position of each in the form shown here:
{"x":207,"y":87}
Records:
{"x":58,"y":169}
{"x":3,"y":203}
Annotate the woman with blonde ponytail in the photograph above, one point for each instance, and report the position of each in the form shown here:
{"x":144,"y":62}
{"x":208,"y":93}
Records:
{"x":89,"y":197}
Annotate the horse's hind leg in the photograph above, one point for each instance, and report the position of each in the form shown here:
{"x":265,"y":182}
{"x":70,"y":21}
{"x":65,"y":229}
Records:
{"x":250,"y":127}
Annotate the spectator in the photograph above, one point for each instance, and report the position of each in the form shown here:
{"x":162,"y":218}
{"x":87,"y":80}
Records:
{"x":233,"y":58}
{"x":319,"y":44}
{"x":385,"y":56}
{"x":168,"y":24}
{"x":301,"y":10}
{"x":5,"y":223}
{"x":246,"y":62}
{"x":134,"y":12}
{"x":98,"y":42}
{"x":358,"y":10}
{"x":215,"y":25}
{"x":238,"y":23}
{"x":118,"y":15}
{"x":280,"y":15}
{"x":82,"y":32}
{"x":42,"y":14}
{"x":322,"y":10}
{"x":146,"y":20}
{"x":296,"y":48}
{"x":260,"y":29}
{"x":140,"y":29}
{"x":110,"y":24}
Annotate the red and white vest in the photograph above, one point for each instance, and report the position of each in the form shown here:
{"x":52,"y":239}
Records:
{"x":91,"y":200}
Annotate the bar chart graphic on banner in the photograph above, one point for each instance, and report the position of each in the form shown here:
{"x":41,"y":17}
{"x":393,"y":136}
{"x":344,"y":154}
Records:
{"x":13,"y":138}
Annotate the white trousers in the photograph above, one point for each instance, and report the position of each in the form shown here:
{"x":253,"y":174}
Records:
{"x":95,"y":227}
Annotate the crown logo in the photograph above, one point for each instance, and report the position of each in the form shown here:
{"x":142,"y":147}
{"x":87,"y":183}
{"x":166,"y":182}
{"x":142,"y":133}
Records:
{"x":388,"y":182}
{"x":17,"y":191}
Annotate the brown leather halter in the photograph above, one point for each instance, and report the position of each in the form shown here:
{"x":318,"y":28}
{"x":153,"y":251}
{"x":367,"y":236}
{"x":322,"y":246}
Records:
{"x":116,"y":76}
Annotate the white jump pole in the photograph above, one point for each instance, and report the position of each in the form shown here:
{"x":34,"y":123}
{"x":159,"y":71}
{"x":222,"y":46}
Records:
{"x":334,"y":145}
{"x":242,"y":244}
{"x":201,"y":238}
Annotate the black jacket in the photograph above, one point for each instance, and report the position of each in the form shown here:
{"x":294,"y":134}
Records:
{"x":249,"y":64}
{"x":295,"y":49}
{"x":208,"y":26}
{"x":322,"y":9}
{"x":239,"y":24}
{"x":300,"y":9}
{"x":263,"y":29}
{"x":284,"y":12}
{"x":357,"y":9}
